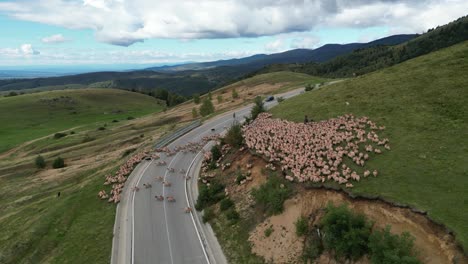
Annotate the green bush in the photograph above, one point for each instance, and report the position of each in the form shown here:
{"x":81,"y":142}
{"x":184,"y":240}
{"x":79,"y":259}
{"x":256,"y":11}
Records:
{"x":196,"y":98}
{"x":240,"y":177}
{"x":58,"y":163}
{"x":194,"y":112}
{"x":257,"y":108}
{"x":220,"y":99}
{"x":40,"y":162}
{"x":272,"y":194}
{"x":234,"y":136}
{"x":302,"y":226}
{"x":345,"y":232}
{"x":215,"y":152}
{"x":313,"y":248}
{"x":391,"y":249}
{"x":232,"y":215}
{"x":309,"y":87}
{"x":130,"y":118}
{"x":280,"y":99}
{"x":206,"y":108}
{"x":268,"y":231}
{"x":59,"y":135}
{"x":208,"y":214}
{"x":101,"y":128}
{"x":225,"y":204}
{"x":235,"y":95}
{"x":209,"y":195}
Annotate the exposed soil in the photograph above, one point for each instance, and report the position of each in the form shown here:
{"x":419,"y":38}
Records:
{"x":433,"y":243}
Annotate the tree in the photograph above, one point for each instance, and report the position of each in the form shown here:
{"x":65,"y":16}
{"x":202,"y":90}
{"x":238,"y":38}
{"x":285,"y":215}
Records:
{"x":257,"y":108}
{"x":210,"y":96}
{"x":235,"y":95}
{"x":220,"y":99}
{"x":345,"y":232}
{"x":392,"y":249}
{"x":196,"y":98}
{"x":309,"y":87}
{"x":40,"y":162}
{"x":234,"y":136}
{"x":194,"y":112}
{"x":206,"y":108}
{"x":301,"y":226}
{"x":58,"y":163}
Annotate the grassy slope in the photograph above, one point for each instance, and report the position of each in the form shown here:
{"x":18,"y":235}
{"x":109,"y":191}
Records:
{"x":424,"y":104}
{"x":289,"y":79}
{"x":25,"y":117}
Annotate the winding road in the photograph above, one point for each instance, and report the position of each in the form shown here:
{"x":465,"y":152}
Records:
{"x":152,"y":231}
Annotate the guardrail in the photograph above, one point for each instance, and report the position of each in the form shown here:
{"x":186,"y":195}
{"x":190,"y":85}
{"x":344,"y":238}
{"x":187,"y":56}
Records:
{"x":179,"y":132}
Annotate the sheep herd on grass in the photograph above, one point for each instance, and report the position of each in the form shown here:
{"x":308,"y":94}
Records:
{"x":316,"y":151}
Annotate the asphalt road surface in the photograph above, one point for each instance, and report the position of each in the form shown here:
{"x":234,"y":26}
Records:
{"x":152,"y":231}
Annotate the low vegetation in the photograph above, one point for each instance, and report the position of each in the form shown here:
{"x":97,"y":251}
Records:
{"x":271,"y":195}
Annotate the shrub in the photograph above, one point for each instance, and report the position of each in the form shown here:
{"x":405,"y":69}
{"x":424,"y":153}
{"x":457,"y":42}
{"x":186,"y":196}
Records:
{"x":59,"y":135}
{"x":391,"y":249}
{"x":268,"y":231}
{"x":194,"y":112}
{"x":220,"y":99}
{"x":272,"y":194}
{"x":210,"y":96}
{"x":196,"y":98}
{"x":101,"y":128}
{"x":345,"y":232}
{"x":309,"y":87}
{"x":302,"y":226}
{"x":225,"y":204}
{"x":209,"y":195}
{"x":87,"y":138}
{"x":257,"y":108}
{"x":130,"y":118}
{"x":234,"y":136}
{"x":58,"y":163}
{"x":235,"y":95}
{"x":206,"y":108}
{"x":115,"y":121}
{"x":313,"y":248}
{"x":240,"y":177}
{"x":40,"y":162}
{"x":232,"y":215}
{"x":280,"y":99}
{"x":72,"y":132}
{"x":208,"y":214}
{"x":215,"y":153}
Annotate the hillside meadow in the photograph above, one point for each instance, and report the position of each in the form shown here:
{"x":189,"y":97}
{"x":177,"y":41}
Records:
{"x":29,"y":116}
{"x":423,"y":103}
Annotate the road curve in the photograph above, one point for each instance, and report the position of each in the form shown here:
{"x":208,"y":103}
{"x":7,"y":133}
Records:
{"x":151,"y":231}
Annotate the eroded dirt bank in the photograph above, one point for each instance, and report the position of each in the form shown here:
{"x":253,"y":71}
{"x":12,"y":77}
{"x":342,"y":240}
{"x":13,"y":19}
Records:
{"x":433,"y":243}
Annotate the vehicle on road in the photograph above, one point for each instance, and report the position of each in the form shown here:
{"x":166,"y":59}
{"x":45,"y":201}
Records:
{"x":269,"y":98}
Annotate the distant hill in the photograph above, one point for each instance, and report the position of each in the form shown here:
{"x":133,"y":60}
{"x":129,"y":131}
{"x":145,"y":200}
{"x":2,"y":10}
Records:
{"x":364,"y":60}
{"x":258,"y":61}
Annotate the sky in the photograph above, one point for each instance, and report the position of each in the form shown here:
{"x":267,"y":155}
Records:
{"x":154,"y":32}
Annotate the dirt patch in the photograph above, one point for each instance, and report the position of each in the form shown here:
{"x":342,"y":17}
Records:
{"x":282,"y":246}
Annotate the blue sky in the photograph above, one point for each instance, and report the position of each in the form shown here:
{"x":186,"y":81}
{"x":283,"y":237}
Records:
{"x":100,"y":32}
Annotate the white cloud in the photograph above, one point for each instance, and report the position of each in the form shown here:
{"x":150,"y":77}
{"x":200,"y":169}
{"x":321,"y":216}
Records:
{"x":306,"y":42}
{"x":276,"y":45}
{"x":123,"y":23}
{"x":57,"y":38}
{"x":27,"y":50}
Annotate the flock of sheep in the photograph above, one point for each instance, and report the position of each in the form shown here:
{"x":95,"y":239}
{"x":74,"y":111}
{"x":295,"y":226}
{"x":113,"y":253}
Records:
{"x":316,"y":151}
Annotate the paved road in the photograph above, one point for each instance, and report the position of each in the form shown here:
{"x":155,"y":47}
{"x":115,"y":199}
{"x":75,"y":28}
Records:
{"x":151,"y":231}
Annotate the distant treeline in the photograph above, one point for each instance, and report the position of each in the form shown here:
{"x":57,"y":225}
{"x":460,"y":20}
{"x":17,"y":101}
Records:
{"x":366,"y":60}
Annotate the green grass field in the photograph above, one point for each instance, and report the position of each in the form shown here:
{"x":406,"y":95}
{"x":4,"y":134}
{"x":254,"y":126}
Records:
{"x":424,"y":105}
{"x":30,"y":116}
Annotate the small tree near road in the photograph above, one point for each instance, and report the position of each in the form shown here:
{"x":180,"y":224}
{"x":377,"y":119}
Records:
{"x":58,"y":163}
{"x":206,"y":108}
{"x":235,"y":95}
{"x":258,"y":107}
